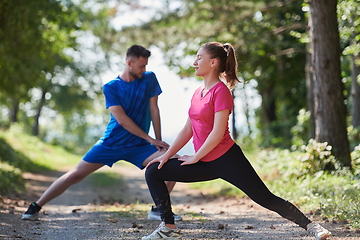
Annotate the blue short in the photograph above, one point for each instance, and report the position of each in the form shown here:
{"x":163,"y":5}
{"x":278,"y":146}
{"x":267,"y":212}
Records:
{"x":107,"y":156}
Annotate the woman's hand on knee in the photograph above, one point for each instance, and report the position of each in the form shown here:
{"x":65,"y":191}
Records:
{"x":188,"y":159}
{"x":161,"y":160}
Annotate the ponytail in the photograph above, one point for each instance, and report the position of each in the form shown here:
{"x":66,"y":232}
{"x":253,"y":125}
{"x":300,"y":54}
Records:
{"x":225,"y":53}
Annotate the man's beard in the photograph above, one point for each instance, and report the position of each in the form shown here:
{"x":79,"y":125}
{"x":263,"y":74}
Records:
{"x":136,"y":76}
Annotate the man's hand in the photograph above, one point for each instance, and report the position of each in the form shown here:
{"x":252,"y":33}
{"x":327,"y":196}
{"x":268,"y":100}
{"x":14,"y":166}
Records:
{"x":159,"y":144}
{"x":188,"y":159}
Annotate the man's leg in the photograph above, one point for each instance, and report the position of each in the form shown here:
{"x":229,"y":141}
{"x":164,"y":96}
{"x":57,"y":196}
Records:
{"x":75,"y":175}
{"x":170,"y":185}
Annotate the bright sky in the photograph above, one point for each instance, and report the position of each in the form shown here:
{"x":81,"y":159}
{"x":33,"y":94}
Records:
{"x":174,"y":102}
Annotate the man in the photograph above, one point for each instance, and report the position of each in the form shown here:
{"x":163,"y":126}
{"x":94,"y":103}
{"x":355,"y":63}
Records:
{"x":132,"y":100}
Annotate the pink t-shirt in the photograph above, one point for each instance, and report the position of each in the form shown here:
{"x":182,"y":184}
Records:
{"x":202,"y":113}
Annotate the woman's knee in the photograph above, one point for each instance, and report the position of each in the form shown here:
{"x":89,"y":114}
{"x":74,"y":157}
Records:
{"x":151,"y":171}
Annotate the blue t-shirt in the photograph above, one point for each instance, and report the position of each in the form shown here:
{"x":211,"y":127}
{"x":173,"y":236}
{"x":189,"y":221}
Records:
{"x":134,"y":98}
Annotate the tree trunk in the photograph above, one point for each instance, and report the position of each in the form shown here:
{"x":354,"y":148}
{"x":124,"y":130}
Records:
{"x":14,"y":109}
{"x":310,"y":94}
{"x":35,"y":127}
{"x":355,"y":94}
{"x":268,"y":106}
{"x":330,"y":111}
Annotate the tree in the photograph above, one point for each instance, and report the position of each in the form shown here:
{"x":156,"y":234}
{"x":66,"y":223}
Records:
{"x":40,"y":52}
{"x":261,"y":31}
{"x":330,"y":111}
{"x":349,"y":12}
{"x":19,"y":55}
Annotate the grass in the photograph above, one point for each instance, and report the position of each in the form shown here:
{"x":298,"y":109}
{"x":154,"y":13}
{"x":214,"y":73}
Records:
{"x":106,"y":179}
{"x":20,"y":153}
{"x":31,"y":154}
{"x":333,"y":194}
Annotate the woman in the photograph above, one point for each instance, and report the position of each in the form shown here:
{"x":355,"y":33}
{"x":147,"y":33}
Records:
{"x":216,"y":154}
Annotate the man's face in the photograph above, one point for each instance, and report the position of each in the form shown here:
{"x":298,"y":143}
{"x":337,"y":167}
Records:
{"x":138,"y":67}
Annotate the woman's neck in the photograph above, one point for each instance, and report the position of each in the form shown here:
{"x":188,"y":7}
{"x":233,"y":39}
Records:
{"x":210,"y":81}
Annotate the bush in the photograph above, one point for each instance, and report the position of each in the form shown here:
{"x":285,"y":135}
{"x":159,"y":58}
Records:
{"x":302,"y":128}
{"x":20,"y":152}
{"x":354,"y":136}
{"x":10,"y":178}
{"x":318,"y":158}
{"x":355,"y":157}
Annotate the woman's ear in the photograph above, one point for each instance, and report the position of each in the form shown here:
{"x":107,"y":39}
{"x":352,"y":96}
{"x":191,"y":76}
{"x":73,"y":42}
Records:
{"x":214,"y":62}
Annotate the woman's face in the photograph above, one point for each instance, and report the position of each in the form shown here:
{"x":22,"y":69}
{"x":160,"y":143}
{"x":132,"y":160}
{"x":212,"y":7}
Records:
{"x":203,"y":63}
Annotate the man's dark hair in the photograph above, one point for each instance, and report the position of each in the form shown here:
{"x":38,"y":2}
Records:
{"x":138,"y":51}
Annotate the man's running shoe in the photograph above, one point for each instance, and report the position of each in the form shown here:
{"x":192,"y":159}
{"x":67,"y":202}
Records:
{"x":154,"y":214}
{"x":32,"y":213}
{"x":318,"y":231}
{"x":163,"y":232}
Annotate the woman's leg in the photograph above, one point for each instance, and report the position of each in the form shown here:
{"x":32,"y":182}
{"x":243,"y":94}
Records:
{"x":234,"y":168}
{"x":172,"y":171}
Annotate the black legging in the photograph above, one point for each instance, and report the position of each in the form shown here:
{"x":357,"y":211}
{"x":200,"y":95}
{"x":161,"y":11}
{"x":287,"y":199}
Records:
{"x":234,"y":168}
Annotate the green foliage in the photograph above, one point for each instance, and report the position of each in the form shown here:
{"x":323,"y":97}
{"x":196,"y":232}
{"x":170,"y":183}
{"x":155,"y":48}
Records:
{"x":13,"y":151}
{"x":288,"y":174}
{"x":354,"y":136}
{"x":102,"y":179}
{"x":44,"y":52}
{"x":10,"y":176}
{"x":335,"y":195}
{"x":20,"y":153}
{"x":349,"y":12}
{"x":266,"y":37}
{"x":317,"y":157}
{"x":355,"y":157}
{"x":301,"y":130}
{"x":217,"y":187}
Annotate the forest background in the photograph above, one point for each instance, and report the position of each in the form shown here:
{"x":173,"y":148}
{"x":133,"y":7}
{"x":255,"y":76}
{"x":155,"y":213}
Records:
{"x":301,"y":57}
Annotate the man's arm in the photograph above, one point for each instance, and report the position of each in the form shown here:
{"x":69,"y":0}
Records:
{"x":155,"y":117}
{"x":126,"y":122}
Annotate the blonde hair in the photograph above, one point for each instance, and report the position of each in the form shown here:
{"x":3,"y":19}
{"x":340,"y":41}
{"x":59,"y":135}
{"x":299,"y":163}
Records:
{"x":225,"y":53}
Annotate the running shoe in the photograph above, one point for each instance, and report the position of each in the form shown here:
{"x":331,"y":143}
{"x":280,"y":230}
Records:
{"x":163,"y":232}
{"x":318,"y":231}
{"x":154,"y":214}
{"x":32,"y":213}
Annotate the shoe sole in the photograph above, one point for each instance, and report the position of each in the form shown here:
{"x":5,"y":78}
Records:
{"x":30,"y":217}
{"x":158,"y":218}
{"x":325,"y":236}
{"x":168,"y":238}
{"x":154,"y":218}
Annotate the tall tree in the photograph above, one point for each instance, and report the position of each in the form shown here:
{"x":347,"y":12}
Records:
{"x":261,"y":31}
{"x":349,"y":12}
{"x":330,"y":111}
{"x":355,"y":91}
{"x":40,"y":51}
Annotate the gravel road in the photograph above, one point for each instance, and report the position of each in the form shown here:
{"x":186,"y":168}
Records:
{"x":83,"y":212}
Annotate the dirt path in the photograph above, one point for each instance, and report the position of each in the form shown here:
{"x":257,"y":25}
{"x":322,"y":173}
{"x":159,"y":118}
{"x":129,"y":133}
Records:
{"x":71,"y":216}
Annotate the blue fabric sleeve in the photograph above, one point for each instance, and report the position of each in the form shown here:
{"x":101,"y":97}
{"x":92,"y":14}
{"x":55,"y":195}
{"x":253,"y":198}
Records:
{"x":156,"y":89}
{"x":110,"y":95}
